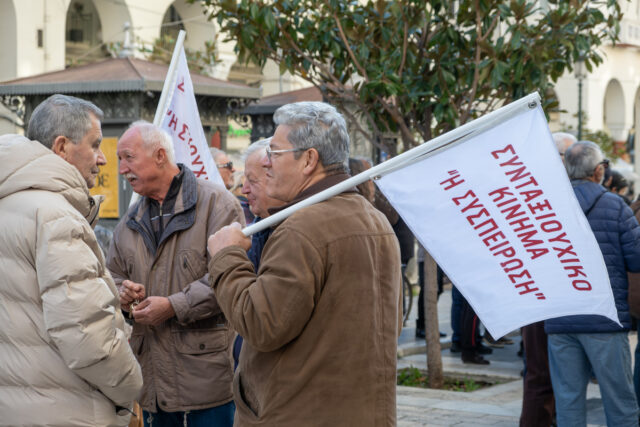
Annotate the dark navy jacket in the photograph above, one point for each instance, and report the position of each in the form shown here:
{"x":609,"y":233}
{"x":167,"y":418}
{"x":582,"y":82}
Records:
{"x":618,"y":235}
{"x":258,"y":240}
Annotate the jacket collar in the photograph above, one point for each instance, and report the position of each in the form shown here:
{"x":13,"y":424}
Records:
{"x":184,"y":212}
{"x":587,"y":192}
{"x":326,"y":182}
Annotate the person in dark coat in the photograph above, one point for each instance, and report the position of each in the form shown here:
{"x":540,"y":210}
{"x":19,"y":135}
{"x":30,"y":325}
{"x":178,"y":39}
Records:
{"x":538,"y":406}
{"x":259,"y":204}
{"x":577,"y":343}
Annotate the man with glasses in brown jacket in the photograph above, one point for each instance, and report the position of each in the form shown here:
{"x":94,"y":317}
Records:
{"x":321,"y":316}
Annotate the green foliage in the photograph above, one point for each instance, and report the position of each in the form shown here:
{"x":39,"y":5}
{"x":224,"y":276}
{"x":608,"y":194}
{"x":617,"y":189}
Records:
{"x":413,"y":377}
{"x":600,"y":137}
{"x":604,"y":140}
{"x":233,"y":132}
{"x":419,"y":67}
{"x":200,"y":61}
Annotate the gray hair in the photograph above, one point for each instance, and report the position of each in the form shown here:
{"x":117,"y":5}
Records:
{"x":215,"y":152}
{"x":581,"y":159}
{"x":563,"y":140}
{"x":254,"y":148}
{"x":316,"y":125}
{"x":154,"y":137}
{"x":61,"y":115}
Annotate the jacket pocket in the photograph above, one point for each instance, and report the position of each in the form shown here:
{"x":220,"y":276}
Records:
{"x":136,"y":341}
{"x":243,"y":403}
{"x":201,"y":341}
{"x":193,"y":263}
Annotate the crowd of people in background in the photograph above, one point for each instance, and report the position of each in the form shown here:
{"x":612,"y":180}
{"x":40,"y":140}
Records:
{"x":181,"y":312}
{"x":473,"y":343}
{"x":200,"y":299}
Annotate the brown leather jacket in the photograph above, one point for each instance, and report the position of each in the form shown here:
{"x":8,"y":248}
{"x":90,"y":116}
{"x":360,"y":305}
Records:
{"x":321,"y":319}
{"x":185,"y":361}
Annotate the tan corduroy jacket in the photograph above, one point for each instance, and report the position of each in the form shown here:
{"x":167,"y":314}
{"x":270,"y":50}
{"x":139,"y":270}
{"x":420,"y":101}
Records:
{"x":185,"y":361}
{"x":320,"y":321}
{"x":64,"y":356}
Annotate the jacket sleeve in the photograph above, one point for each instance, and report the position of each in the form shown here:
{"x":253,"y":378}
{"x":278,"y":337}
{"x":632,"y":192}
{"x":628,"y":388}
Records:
{"x":197,"y":300}
{"x":81,"y":309}
{"x":271,"y":309}
{"x":629,"y":238}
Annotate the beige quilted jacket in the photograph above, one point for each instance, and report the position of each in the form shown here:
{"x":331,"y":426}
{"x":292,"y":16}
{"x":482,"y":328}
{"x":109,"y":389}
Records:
{"x":64,"y":356}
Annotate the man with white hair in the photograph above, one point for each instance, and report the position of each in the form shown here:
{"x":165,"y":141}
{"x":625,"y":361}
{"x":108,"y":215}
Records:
{"x":321,"y":316}
{"x":578,"y":344}
{"x":158,"y":259}
{"x":254,"y":189}
{"x":563,"y":141}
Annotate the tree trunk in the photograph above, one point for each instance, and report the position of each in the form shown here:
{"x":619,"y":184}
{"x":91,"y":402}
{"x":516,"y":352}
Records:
{"x":432,"y":328}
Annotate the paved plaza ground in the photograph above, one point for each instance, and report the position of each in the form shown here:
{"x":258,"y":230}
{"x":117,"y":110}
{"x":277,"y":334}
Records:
{"x":498,"y":405}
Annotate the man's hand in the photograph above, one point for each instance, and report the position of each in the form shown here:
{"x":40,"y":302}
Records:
{"x":229,"y":235}
{"x":129,"y":292}
{"x":153,"y":311}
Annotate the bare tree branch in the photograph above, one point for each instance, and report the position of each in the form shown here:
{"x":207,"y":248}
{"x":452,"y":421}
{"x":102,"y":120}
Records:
{"x":361,"y":70}
{"x":405,"y":41}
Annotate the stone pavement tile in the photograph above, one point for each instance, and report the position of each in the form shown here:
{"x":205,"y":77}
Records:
{"x":489,"y":421}
{"x":453,"y":365}
{"x":480,"y":408}
{"x":425,"y":407}
{"x":454,"y":418}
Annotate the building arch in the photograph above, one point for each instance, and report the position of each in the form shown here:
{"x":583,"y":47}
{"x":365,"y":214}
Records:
{"x":199,"y":29}
{"x":83,"y":33}
{"x":614,"y":110}
{"x":9,"y":45}
{"x":113,"y":16}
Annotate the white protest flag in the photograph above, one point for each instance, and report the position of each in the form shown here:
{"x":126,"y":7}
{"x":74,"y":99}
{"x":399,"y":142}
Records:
{"x":497,"y":212}
{"x":182,"y":121}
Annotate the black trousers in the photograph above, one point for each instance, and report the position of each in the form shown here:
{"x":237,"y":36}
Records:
{"x":420,"y":323}
{"x":537,"y":398}
{"x":469,"y":324}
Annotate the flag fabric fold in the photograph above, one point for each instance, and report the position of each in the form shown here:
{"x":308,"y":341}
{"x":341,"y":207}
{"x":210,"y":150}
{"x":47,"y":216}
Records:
{"x":182,"y":121}
{"x":498,"y":214}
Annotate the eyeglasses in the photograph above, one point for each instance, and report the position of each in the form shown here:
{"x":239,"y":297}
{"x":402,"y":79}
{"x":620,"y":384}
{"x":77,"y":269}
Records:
{"x":228,"y":165}
{"x":604,"y":163}
{"x":270,"y":152}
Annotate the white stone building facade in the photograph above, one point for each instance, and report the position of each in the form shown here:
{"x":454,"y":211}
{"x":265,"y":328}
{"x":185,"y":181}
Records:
{"x":39,"y":36}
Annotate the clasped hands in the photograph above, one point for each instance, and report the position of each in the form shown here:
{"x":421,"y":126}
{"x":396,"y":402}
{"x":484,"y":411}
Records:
{"x":151,"y":310}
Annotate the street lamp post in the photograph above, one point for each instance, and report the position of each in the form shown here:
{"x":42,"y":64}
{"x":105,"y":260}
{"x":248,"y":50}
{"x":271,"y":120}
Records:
{"x":580,"y":75}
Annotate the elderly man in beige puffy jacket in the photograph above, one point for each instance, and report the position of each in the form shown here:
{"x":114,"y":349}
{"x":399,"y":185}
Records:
{"x":64,"y":356}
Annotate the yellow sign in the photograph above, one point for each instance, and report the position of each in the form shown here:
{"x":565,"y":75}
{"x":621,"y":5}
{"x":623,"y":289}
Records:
{"x":107,"y":180}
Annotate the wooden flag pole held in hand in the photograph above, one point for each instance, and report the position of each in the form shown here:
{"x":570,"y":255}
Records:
{"x":167,"y":89}
{"x":418,"y":153}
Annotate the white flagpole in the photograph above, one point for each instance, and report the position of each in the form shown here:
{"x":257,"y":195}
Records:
{"x":166,"y":89}
{"x":420,"y":152}
{"x":170,"y":80}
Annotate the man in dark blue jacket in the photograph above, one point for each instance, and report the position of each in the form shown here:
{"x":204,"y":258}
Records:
{"x":259,"y":203}
{"x":579,"y":343}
